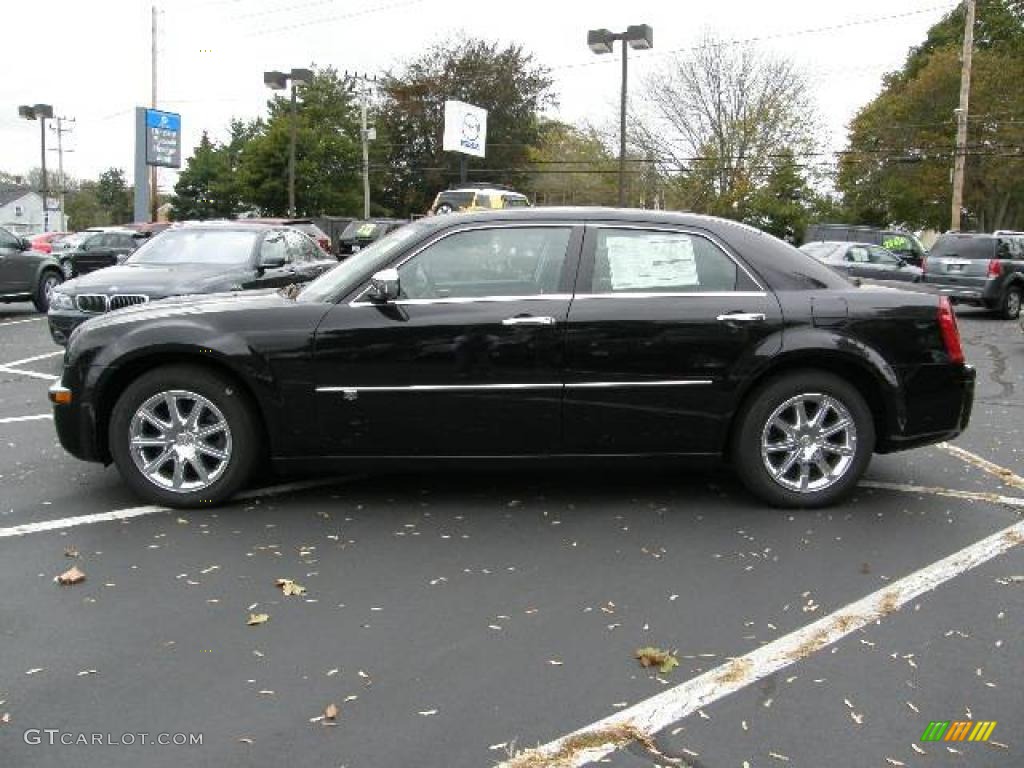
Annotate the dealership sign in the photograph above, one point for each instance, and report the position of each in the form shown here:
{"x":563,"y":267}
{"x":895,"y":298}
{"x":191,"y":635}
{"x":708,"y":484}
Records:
{"x":163,"y":138}
{"x":465,"y":128}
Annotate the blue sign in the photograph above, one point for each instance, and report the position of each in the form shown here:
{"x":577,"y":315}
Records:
{"x":168,"y":121}
{"x":163,"y":138}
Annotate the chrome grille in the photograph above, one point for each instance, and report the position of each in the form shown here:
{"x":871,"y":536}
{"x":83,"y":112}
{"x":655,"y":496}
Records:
{"x":122,"y":300}
{"x":94,"y":303}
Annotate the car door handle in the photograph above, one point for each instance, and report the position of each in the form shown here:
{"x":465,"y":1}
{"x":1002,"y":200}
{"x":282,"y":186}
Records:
{"x":742,"y":317}
{"x":528,"y":320}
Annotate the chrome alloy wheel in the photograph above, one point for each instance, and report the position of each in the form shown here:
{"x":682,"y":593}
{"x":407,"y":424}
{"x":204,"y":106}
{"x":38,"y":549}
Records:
{"x":809,"y":442}
{"x":180,"y":441}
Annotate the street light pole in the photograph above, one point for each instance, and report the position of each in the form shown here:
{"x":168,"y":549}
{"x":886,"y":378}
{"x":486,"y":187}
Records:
{"x":40,"y":112}
{"x":641,"y":37}
{"x":622,"y":129}
{"x":291,"y":156}
{"x":960,"y":159}
{"x":278,"y":81}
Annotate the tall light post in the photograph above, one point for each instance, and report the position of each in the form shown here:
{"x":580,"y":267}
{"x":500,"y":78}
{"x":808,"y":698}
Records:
{"x":640,"y":37}
{"x":278,"y":81}
{"x":40,"y":112}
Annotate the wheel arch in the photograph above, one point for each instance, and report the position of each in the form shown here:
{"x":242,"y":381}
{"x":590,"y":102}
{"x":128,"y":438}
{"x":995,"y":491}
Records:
{"x":873,"y":385}
{"x":110,"y":388}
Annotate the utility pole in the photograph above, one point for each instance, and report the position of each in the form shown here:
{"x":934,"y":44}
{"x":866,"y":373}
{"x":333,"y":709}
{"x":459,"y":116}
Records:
{"x":60,"y":131}
{"x":960,"y":159}
{"x":293,"y":127}
{"x":154,"y":202}
{"x":46,"y":186}
{"x":366,"y":133}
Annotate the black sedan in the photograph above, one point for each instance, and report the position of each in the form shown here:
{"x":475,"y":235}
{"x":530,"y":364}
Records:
{"x":864,"y":260}
{"x":534,"y":333}
{"x":188,"y":260}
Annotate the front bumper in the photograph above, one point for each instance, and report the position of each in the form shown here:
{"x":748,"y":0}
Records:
{"x":63,"y":321}
{"x":75,"y":422}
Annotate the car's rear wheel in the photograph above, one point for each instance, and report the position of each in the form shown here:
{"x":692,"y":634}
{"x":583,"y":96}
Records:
{"x":803,"y":440}
{"x":183,"y":436}
{"x":1009,"y":307}
{"x":48,"y":281}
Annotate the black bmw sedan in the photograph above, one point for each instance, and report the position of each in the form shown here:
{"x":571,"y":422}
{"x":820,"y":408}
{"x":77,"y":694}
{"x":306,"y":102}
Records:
{"x":186,"y":260}
{"x":534,"y":333}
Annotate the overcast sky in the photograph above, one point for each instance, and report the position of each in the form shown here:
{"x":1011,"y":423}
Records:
{"x":91,"y":59}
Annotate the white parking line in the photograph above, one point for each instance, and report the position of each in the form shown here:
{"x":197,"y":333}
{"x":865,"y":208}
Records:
{"x":15,"y":419}
{"x":31,"y":374}
{"x":994,"y":498}
{"x":16,"y":363}
{"x":19,"y":322}
{"x":658,"y":712}
{"x":126,"y":514}
{"x":1004,"y":475}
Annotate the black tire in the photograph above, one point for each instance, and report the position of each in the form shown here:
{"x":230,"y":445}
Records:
{"x":238,"y":412}
{"x":49,"y":280}
{"x":751,"y":427}
{"x":1009,"y":306}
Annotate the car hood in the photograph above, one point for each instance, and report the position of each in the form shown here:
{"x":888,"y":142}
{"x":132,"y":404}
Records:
{"x":234,"y":301}
{"x":158,"y":280}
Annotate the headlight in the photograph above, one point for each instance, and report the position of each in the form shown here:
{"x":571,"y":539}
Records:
{"x":59,"y":300}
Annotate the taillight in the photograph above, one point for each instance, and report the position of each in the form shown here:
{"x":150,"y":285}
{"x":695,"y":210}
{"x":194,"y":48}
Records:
{"x":950,"y":331}
{"x":995,"y":268}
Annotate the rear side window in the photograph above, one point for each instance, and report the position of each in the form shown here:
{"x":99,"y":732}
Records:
{"x":457,"y":199}
{"x":631,"y":261}
{"x":965,"y":247}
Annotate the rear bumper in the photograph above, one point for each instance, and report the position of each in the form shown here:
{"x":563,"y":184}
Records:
{"x":983,"y":293}
{"x":939,"y":401}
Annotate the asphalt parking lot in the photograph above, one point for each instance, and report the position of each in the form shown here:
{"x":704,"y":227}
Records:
{"x":457,"y":620}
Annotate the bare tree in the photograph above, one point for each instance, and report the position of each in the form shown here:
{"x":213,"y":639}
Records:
{"x":718,"y":118}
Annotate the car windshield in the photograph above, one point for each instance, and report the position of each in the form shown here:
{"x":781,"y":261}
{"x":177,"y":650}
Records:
{"x":346,"y":275}
{"x":361,"y":230}
{"x":198,"y":246}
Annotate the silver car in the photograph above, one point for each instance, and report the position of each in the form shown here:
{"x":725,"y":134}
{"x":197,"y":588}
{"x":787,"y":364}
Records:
{"x":864,"y":260}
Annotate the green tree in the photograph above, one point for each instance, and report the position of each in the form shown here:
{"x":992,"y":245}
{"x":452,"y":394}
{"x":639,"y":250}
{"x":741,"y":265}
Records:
{"x":83,"y":208}
{"x":327,"y":152}
{"x":571,"y":166}
{"x":783,"y":204}
{"x":197,"y":194}
{"x":897,"y":167}
{"x":506,"y":81}
{"x":115,"y":197}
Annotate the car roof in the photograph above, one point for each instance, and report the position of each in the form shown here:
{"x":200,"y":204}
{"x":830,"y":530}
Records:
{"x":246,"y":224}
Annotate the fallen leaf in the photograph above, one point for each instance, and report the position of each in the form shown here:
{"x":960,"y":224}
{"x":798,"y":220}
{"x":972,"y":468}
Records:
{"x":5,"y":718}
{"x":71,"y":576}
{"x":918,"y":749}
{"x":428,"y":712}
{"x":289,"y":587}
{"x":245,"y":740}
{"x":554,"y":662}
{"x":665,"y":661}
{"x":70,"y":551}
{"x":892,"y":761}
{"x":34,"y":670}
{"x":257,"y":618}
{"x":331,"y":712}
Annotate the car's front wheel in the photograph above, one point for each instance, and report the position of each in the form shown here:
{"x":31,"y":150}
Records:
{"x":803,"y":439}
{"x":183,"y":436}
{"x":48,"y":281}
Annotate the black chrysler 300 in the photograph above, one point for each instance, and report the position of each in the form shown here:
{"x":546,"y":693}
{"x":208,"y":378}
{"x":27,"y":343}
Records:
{"x":540,"y":333}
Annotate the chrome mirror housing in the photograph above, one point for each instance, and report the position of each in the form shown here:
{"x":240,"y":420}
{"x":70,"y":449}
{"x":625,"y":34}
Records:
{"x":385,"y":285}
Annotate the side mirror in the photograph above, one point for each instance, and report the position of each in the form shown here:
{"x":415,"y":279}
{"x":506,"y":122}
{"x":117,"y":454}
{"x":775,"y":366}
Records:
{"x":271,"y":262}
{"x":24,"y":244}
{"x":385,"y":285}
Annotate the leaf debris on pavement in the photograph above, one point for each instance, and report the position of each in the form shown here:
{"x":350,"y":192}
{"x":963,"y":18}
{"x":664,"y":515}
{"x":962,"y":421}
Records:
{"x":289,"y":587}
{"x":71,"y":576}
{"x":257,"y":618}
{"x":665,"y":661}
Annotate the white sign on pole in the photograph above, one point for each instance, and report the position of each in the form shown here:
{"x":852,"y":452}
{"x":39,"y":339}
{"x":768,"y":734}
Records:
{"x":465,"y":128}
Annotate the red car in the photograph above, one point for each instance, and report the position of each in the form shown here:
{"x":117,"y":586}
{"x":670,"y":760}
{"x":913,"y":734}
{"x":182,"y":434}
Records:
{"x":44,"y":242}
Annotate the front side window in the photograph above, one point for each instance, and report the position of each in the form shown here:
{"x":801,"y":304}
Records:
{"x":883,"y":257}
{"x":515,"y":261}
{"x":7,"y":240}
{"x":858,"y":255}
{"x":628,"y":261}
{"x":297,"y":251}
